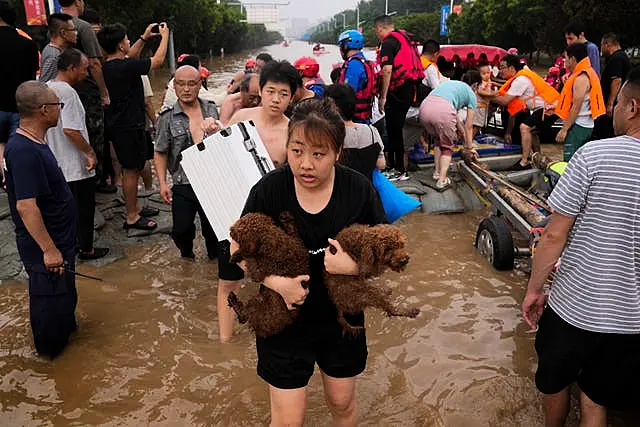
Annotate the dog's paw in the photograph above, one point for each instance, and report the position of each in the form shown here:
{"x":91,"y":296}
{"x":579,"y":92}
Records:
{"x":233,"y":300}
{"x":413,"y":313}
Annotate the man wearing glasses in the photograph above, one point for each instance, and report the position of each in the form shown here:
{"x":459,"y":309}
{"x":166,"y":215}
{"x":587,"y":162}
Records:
{"x":188,"y":122}
{"x":62,"y":35}
{"x":44,"y":213}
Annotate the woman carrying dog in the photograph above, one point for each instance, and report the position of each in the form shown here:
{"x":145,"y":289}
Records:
{"x":324,"y":197}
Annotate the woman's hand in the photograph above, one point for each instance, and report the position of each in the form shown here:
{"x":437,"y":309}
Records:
{"x":290,"y":289}
{"x":340,"y":262}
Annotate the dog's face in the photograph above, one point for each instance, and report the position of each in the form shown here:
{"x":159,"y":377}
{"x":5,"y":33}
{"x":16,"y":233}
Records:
{"x":249,"y":230}
{"x":391,"y":250}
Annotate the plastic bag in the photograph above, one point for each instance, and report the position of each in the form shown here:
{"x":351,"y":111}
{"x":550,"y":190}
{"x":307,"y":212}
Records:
{"x":395,"y":202}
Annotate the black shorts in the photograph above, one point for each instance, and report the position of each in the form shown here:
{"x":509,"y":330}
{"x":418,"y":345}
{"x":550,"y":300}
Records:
{"x":130,"y":146}
{"x":536,"y":119}
{"x":227,"y":270}
{"x":605,"y":366}
{"x":287,"y":360}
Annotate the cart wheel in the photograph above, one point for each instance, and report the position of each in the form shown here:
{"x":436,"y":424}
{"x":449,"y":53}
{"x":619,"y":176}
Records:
{"x":495,"y":243}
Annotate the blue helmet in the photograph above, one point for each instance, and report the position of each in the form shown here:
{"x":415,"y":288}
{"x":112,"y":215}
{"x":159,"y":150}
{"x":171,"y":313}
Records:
{"x":352,"y":39}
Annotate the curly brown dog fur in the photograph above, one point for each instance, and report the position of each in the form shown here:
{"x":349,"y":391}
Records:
{"x":267,"y":250}
{"x":375,"y":249}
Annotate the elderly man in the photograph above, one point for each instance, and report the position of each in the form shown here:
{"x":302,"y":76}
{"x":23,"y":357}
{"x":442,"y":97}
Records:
{"x":44,"y":214}
{"x":69,"y":142}
{"x":589,"y":333}
{"x":248,"y":97}
{"x":187,"y":123}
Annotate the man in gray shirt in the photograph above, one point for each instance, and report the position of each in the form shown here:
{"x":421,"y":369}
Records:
{"x":62,"y":35}
{"x":589,"y":333}
{"x":187,"y":123}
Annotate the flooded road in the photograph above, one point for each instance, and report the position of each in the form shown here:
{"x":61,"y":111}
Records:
{"x":147,"y":350}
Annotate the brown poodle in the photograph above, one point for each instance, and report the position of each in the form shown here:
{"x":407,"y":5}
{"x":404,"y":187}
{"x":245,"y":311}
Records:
{"x":375,"y":249}
{"x":268,"y":251}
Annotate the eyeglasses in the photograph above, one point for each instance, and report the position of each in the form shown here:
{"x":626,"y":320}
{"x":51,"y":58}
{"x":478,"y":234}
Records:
{"x":59,"y":104}
{"x":71,"y":30}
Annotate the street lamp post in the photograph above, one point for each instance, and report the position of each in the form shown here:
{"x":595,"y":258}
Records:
{"x":344,"y":21}
{"x":386,"y":7}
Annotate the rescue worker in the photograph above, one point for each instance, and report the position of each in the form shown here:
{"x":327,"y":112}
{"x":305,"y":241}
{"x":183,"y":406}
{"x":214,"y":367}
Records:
{"x":359,"y":73}
{"x":309,"y":70}
{"x":581,"y":100}
{"x":529,"y":100}
{"x":401,"y":72}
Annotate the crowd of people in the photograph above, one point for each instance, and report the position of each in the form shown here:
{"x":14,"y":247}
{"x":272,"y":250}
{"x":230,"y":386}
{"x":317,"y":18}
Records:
{"x":86,"y":124}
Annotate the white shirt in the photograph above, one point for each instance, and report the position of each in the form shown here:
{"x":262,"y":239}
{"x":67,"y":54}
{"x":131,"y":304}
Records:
{"x":522,"y":87}
{"x":72,"y":161}
{"x":433,"y":78}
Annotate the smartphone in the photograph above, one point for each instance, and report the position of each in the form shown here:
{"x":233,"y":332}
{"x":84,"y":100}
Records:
{"x":156,"y":29}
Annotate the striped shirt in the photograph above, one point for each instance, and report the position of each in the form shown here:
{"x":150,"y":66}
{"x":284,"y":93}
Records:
{"x":597,"y":287}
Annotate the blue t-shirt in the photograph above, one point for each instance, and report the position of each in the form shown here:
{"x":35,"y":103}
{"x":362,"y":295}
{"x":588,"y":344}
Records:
{"x":457,"y":93}
{"x":33,"y":172}
{"x":356,"y":75}
{"x":594,"y":56}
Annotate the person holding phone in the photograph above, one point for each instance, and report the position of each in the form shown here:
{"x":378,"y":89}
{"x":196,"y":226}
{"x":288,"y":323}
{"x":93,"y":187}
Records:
{"x":125,"y":118}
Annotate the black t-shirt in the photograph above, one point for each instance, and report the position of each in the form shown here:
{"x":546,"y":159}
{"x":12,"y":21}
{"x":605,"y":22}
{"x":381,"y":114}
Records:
{"x":20,"y":62}
{"x":617,"y":66}
{"x":124,"y":83}
{"x":388,"y":50}
{"x":354,"y":201}
{"x":33,"y":172}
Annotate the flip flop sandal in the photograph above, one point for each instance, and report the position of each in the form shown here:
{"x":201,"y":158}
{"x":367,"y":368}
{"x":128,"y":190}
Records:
{"x":149,"y":212}
{"x":143,"y":223}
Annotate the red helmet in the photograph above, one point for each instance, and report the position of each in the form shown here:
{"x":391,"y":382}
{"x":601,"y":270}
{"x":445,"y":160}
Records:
{"x":307,"y":66}
{"x":251,"y":63}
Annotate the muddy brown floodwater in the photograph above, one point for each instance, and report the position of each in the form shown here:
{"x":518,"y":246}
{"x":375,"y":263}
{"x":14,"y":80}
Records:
{"x":147,"y":351}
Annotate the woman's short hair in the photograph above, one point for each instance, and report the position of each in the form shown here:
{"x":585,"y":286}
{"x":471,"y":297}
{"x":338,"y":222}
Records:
{"x":320,"y":122}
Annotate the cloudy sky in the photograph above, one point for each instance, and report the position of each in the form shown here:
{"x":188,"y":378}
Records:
{"x":321,"y":8}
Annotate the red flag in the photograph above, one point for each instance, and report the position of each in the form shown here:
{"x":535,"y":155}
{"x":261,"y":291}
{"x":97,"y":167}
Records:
{"x":35,"y":11}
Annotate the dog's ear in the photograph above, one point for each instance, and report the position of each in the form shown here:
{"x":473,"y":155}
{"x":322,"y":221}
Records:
{"x":366,"y":262}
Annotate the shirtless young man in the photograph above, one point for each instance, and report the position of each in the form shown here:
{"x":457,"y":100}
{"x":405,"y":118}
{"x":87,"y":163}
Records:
{"x":278,"y":83}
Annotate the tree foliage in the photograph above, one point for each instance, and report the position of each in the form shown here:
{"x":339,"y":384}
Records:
{"x":199,"y":26}
{"x":529,"y":25}
{"x":537,"y":25}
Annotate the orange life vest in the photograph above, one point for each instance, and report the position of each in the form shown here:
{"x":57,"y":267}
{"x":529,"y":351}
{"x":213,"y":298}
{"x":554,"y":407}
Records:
{"x":541,"y":88}
{"x":426,"y":63}
{"x":596,"y":98}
